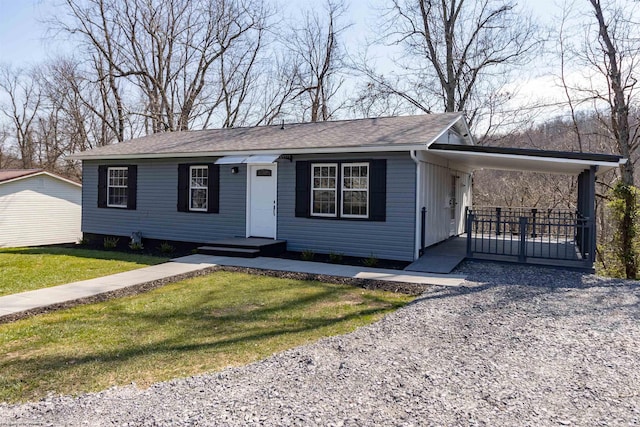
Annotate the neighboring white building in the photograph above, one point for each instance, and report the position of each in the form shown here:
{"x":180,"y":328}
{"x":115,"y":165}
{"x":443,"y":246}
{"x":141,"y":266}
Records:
{"x":38,"y":208}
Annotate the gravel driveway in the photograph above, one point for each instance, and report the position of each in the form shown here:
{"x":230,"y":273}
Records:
{"x":514,"y":346}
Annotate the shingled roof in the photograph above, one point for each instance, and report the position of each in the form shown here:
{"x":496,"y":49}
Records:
{"x":8,"y":174}
{"x":393,"y":133}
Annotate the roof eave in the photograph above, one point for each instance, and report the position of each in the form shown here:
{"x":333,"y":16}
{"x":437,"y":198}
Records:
{"x":32,"y":175}
{"x":458,"y":118}
{"x":322,"y":150}
{"x":603,"y":166}
{"x":467,"y":132}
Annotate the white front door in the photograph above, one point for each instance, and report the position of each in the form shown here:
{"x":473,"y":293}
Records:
{"x":261,"y":200}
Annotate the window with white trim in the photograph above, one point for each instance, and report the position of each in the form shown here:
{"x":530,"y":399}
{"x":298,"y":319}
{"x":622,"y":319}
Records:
{"x":355,"y":190}
{"x":198,"y":188}
{"x":117,"y":187}
{"x":324,"y":193}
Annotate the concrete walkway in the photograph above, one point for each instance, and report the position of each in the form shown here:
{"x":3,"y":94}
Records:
{"x":339,"y":270}
{"x":30,"y":300}
{"x":26,"y":301}
{"x":442,"y":257}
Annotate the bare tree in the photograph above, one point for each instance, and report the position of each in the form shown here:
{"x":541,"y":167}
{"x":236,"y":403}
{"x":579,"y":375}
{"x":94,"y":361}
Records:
{"x":375,"y":99}
{"x":607,"y":55}
{"x":5,"y":157}
{"x":72,"y":119}
{"x":457,"y":55}
{"x":277,"y":86}
{"x":617,"y":59}
{"x":102,"y":38}
{"x":320,"y":60}
{"x":166,"y":49}
{"x":24,"y":101}
{"x":238,"y":78}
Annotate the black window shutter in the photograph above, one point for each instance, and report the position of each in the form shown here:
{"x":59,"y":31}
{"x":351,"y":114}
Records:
{"x":132,"y":190}
{"x":378,"y":190}
{"x":102,"y":186}
{"x":183,"y":188}
{"x":303,"y":189}
{"x":213,"y":204}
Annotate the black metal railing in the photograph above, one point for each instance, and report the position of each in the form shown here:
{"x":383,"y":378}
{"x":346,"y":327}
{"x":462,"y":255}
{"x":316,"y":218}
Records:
{"x":529,"y":232}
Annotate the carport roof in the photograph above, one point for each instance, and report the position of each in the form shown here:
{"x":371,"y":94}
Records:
{"x":524,"y":159}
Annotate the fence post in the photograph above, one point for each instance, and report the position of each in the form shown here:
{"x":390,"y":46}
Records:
{"x":522,"y":255}
{"x":591,"y":226}
{"x":580,"y":233}
{"x":534,"y":211}
{"x":466,"y":215}
{"x":469,"y":226}
{"x":498,"y":212}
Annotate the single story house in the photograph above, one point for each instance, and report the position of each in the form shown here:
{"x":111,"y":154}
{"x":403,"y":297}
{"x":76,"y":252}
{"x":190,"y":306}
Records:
{"x":38,"y":208}
{"x":386,"y":187}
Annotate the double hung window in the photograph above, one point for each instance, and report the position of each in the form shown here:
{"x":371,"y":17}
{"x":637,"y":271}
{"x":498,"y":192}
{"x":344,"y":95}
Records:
{"x":355,"y":190}
{"x":324,"y":179}
{"x":345,"y":185}
{"x":198,"y":188}
{"x":117,"y":187}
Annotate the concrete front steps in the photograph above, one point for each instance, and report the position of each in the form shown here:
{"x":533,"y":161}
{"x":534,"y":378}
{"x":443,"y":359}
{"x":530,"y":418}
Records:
{"x":250,"y":247}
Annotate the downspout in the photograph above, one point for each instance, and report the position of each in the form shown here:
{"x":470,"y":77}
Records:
{"x":418,"y":187}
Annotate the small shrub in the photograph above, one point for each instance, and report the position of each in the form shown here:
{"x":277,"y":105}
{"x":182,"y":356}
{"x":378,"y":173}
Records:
{"x":110,"y":242}
{"x":372,"y":261}
{"x":166,"y":248}
{"x":136,"y":241}
{"x":136,"y":246}
{"x":84,"y":241}
{"x":194,"y":251}
{"x":335,"y":257}
{"x":307,"y":255}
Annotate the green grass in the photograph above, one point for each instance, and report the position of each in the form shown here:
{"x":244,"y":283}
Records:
{"x":194,"y":326}
{"x":25,"y":269}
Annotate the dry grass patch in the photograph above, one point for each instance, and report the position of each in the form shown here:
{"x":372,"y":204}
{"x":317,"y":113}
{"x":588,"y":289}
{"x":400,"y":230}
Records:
{"x":182,"y":329}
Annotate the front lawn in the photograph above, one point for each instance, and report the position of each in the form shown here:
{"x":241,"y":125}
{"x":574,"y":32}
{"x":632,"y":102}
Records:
{"x":194,"y":326}
{"x":25,"y":269}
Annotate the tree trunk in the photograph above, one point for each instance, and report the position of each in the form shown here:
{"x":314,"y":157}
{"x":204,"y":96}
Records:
{"x":621,"y":131}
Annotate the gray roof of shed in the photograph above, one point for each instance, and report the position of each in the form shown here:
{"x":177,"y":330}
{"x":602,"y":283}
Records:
{"x":359,"y":134}
{"x":9,"y":174}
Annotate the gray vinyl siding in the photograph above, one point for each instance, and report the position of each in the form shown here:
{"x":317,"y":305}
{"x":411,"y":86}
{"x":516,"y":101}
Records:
{"x":156,"y":215}
{"x":391,"y":239}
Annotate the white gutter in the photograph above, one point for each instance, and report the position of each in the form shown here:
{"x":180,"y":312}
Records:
{"x":418,"y":187}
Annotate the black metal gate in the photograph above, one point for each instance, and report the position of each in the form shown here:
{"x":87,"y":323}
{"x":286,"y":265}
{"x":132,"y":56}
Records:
{"x":557,"y":234}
